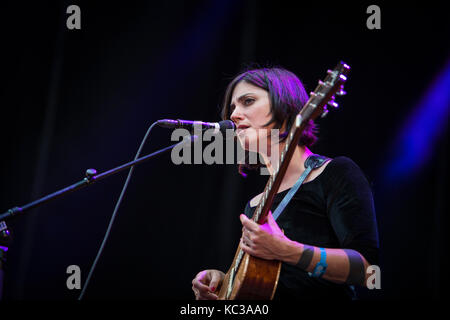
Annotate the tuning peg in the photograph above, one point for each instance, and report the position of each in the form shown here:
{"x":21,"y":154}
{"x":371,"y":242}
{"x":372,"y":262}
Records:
{"x":324,"y":113}
{"x":341,"y":92}
{"x":333,"y":104}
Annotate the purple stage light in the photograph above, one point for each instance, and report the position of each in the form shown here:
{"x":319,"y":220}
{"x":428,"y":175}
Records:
{"x":419,"y":135}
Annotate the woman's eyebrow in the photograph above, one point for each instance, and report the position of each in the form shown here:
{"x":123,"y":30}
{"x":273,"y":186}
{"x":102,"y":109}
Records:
{"x":241,"y":97}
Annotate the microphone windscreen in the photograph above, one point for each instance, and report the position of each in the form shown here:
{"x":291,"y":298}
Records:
{"x":227,"y":124}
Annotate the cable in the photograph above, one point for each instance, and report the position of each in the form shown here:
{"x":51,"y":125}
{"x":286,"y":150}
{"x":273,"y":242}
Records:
{"x":108,"y":230}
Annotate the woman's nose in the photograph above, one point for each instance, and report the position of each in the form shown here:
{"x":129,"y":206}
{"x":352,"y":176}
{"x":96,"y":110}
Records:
{"x":236,"y":115}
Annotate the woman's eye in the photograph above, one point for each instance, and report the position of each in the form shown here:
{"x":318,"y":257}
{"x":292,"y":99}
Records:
{"x":248,"y":101}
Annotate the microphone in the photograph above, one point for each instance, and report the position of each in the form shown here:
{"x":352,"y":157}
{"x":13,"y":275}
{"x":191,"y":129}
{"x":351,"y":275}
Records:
{"x":188,"y":124}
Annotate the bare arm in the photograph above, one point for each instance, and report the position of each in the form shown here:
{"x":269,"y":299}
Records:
{"x":267,"y":241}
{"x":343,"y":265}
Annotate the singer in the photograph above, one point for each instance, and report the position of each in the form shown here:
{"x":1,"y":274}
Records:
{"x":326,"y":237}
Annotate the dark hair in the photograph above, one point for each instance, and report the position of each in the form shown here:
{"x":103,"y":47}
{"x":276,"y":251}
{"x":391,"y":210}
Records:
{"x":287,"y":97}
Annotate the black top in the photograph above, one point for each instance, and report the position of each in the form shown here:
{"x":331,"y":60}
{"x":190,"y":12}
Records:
{"x":335,"y":210}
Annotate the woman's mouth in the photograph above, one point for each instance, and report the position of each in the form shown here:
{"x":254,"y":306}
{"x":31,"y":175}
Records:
{"x":241,"y":128}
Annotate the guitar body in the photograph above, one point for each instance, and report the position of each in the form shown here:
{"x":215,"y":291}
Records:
{"x":256,"y":279}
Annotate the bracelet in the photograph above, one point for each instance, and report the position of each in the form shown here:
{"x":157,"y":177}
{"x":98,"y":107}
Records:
{"x":321,"y":266}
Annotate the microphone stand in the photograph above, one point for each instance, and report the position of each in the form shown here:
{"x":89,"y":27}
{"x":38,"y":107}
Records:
{"x":91,"y":177}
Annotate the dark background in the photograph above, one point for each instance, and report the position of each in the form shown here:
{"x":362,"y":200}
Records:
{"x":78,"y":99}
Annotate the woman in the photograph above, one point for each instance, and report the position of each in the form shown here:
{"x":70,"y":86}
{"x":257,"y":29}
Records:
{"x":330,"y":219}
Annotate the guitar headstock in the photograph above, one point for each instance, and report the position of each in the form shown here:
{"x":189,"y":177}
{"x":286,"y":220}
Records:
{"x":325,"y":92}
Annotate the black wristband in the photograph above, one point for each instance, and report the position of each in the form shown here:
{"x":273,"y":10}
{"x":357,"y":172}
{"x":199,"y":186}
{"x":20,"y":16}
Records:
{"x":356,"y":273}
{"x":305,"y":259}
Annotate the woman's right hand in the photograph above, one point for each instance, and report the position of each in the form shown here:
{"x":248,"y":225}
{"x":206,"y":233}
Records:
{"x":205,"y":284}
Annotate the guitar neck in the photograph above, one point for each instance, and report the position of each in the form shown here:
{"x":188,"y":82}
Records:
{"x":274,"y":182}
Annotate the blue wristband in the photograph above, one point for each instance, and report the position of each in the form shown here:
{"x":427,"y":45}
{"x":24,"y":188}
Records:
{"x":321,"y":266}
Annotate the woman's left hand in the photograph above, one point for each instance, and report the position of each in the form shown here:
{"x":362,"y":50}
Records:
{"x":265,"y":241}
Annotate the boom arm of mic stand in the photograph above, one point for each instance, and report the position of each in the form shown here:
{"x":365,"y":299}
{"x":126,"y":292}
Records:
{"x":91,"y":177}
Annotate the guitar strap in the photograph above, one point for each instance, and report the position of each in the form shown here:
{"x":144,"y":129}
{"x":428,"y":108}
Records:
{"x":314,"y":161}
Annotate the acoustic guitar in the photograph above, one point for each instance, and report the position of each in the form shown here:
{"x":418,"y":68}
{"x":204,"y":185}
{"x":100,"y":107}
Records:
{"x":252,"y":278}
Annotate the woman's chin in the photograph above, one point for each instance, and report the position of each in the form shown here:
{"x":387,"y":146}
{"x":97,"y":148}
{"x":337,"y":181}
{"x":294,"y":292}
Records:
{"x":251,"y":142}
{"x":249,"y":145}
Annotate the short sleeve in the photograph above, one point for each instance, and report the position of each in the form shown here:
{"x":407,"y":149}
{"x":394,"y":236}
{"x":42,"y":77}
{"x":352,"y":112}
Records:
{"x":351,"y":210}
